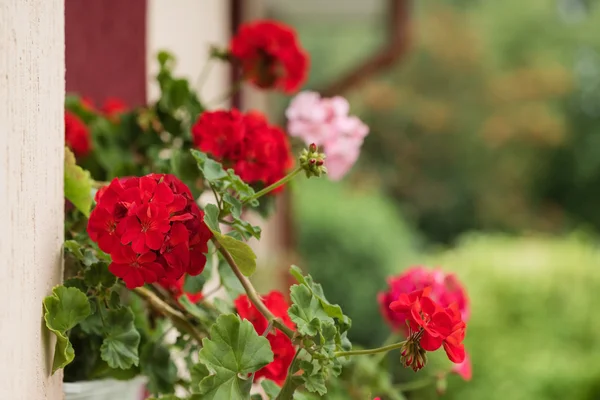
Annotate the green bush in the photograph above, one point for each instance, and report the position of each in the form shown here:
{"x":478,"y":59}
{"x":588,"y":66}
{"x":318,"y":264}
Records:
{"x":534,"y":329}
{"x":350,"y":241}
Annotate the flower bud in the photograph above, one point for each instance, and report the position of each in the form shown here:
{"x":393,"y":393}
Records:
{"x":312,"y":161}
{"x":412,"y":355}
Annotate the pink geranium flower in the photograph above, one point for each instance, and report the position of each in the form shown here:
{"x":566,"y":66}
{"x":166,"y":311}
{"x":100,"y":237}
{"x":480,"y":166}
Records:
{"x":326,"y":123}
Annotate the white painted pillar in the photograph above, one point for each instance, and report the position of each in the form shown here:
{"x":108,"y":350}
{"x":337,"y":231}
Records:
{"x":31,"y":191}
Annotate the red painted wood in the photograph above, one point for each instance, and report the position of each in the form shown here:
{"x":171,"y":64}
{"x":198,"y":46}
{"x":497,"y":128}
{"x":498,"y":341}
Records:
{"x":106,"y":49}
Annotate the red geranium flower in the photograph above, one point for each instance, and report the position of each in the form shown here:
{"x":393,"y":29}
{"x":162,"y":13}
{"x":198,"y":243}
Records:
{"x":282,"y":346}
{"x":430,"y":326}
{"x":135,"y":269}
{"x":156,"y":218}
{"x":258,"y":152}
{"x":270,"y":55}
{"x":113,"y":108}
{"x":219,"y":133}
{"x":77,"y":135}
{"x":445,"y":290}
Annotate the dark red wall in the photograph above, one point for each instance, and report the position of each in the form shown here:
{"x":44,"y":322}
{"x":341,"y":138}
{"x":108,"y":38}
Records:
{"x":106,"y":49}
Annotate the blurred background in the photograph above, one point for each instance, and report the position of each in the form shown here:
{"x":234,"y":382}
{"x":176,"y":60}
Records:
{"x":483,"y":158}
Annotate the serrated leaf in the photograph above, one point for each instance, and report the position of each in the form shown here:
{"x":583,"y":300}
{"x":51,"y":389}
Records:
{"x":197,"y":373}
{"x":315,"y":383}
{"x":246,"y":228}
{"x":64,"y":309}
{"x":332,"y":310}
{"x":211,"y":217}
{"x":234,"y":350}
{"x":210,"y":169}
{"x":306,"y":311}
{"x":241,"y":253}
{"x":120,"y":345}
{"x":78,"y":184}
{"x":270,"y":388}
{"x":156,"y":364}
{"x":235,"y":206}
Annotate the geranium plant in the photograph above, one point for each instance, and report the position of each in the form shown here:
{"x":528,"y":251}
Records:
{"x":140,"y":249}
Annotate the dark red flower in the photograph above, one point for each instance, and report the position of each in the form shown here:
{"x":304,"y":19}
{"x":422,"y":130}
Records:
{"x":281,"y":345}
{"x":156,"y":218}
{"x":77,"y":135}
{"x":258,"y":152}
{"x":219,"y":133}
{"x":135,"y":269}
{"x":113,"y":108}
{"x":270,"y":55}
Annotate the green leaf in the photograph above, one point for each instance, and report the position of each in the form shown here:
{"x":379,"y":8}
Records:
{"x":120,"y":346}
{"x":270,"y":388}
{"x":234,"y":205}
{"x":75,"y":248}
{"x":241,"y":253}
{"x":306,"y":311}
{"x":78,"y":184}
{"x":210,"y":169}
{"x":156,"y":364}
{"x":315,"y":383}
{"x":64,"y":309}
{"x":98,"y":274}
{"x":332,"y":310}
{"x":194,"y":284}
{"x":234,"y":350}
{"x":197,"y":373}
{"x":211,"y":217}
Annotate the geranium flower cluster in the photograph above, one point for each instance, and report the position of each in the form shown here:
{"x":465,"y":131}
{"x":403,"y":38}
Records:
{"x":282,"y":346}
{"x":151,"y":227}
{"x":445,"y":296}
{"x":77,"y":135}
{"x":112,"y":108}
{"x":326,"y":122}
{"x":257,"y":152}
{"x":270,"y":55}
{"x":430,"y":326}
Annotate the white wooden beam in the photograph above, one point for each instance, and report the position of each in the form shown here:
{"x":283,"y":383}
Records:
{"x":31,"y":191}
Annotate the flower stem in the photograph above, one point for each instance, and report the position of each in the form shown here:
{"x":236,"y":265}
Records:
{"x":275,"y":185}
{"x":290,"y":384}
{"x":252,"y":293}
{"x":379,"y":357}
{"x":177,"y":317}
{"x":383,"y":349}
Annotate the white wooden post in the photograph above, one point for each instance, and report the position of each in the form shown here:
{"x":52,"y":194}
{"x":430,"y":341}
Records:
{"x":31,"y":191}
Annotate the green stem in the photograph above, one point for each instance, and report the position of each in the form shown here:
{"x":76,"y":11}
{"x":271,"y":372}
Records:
{"x":379,"y":357}
{"x":177,"y":317}
{"x":234,"y":89}
{"x":204,"y":74}
{"x":275,"y":185}
{"x":415,"y":385}
{"x":383,"y":349}
{"x":252,"y":293}
{"x":290,"y":385}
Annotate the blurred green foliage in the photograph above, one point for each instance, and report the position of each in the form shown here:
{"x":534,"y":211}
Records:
{"x":533,"y":333}
{"x":349,"y":241}
{"x":490,"y":122}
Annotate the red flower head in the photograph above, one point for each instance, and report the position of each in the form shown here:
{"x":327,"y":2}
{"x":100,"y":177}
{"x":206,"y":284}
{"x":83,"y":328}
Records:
{"x":445,"y":290}
{"x":429,"y":327}
{"x":77,"y":135}
{"x":282,"y":346}
{"x":258,"y":152}
{"x":270,"y":55}
{"x":219,"y":133}
{"x":151,"y":227}
{"x":113,"y":108}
